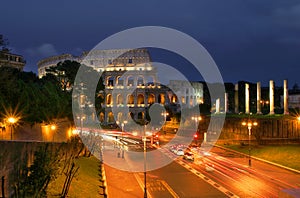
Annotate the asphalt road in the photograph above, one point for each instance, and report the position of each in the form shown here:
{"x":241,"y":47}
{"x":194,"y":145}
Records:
{"x":231,"y":176}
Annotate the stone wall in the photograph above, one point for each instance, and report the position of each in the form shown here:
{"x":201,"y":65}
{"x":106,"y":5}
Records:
{"x":268,"y":130}
{"x":12,"y":155}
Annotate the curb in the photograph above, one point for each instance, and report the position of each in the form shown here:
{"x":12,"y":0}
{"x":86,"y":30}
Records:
{"x":259,"y":159}
{"x":104,"y":181}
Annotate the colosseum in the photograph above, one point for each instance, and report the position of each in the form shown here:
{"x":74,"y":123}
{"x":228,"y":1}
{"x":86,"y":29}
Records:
{"x":131,"y":82}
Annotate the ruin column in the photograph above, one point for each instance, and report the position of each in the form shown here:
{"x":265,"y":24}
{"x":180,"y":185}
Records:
{"x":247,"y":99}
{"x":226,"y":102}
{"x":258,"y":100}
{"x":285,"y":97}
{"x":218,"y":105}
{"x":236,"y":98}
{"x":271,"y":97}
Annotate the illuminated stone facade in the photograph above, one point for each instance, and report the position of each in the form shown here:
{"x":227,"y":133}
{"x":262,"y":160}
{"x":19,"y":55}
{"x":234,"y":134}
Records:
{"x":131,"y":83}
{"x":52,"y":61}
{"x":8,"y":59}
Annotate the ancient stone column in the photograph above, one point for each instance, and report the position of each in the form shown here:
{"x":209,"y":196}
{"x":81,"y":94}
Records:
{"x":285,"y":97}
{"x":258,"y":99}
{"x":247,"y":99}
{"x":218,"y":105}
{"x":226,"y":102}
{"x":236,"y":98}
{"x":271,"y":97}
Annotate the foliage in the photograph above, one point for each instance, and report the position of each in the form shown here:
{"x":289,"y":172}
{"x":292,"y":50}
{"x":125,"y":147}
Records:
{"x":50,"y":161}
{"x":33,"y":181}
{"x":3,"y":43}
{"x":38,"y":99}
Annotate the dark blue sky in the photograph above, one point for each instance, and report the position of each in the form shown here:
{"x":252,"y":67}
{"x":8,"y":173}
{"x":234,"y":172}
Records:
{"x":254,"y":40}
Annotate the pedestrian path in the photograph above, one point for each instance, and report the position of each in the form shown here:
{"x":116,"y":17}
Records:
{"x":121,"y":184}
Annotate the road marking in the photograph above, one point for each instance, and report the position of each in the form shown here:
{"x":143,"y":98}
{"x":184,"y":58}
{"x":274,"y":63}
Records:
{"x":169,"y":189}
{"x":141,"y":184}
{"x":208,"y":180}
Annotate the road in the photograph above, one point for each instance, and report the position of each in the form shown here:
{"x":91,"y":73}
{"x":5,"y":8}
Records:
{"x":231,"y":176}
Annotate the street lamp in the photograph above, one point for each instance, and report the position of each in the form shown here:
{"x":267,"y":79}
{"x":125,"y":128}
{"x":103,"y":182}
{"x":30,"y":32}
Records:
{"x":197,"y":119}
{"x":144,"y":138}
{"x":11,"y":120}
{"x":81,"y":118}
{"x":165,"y":114}
{"x":122,"y":129}
{"x":249,"y":125}
{"x":53,"y":128}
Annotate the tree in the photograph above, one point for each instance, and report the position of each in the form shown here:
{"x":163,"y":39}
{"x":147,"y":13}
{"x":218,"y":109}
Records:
{"x":3,"y":43}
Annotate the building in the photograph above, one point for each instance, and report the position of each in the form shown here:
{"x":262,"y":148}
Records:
{"x":191,"y":92}
{"x":293,"y":98}
{"x":131,"y":84}
{"x":52,"y":61}
{"x":8,"y":59}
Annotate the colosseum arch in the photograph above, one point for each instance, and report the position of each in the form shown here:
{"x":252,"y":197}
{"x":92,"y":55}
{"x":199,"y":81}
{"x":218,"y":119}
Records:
{"x":120,"y":81}
{"x":130,"y":81}
{"x":109,"y":100}
{"x":120,"y":99}
{"x":191,"y":100}
{"x":151,"y":99}
{"x":110,"y":81}
{"x":140,"y":81}
{"x":120,"y":116}
{"x":150,"y":80}
{"x":140,"y":99}
{"x":141,"y":115}
{"x":174,"y":99}
{"x":161,"y":99}
{"x":130,"y":99}
{"x":101,"y":117}
{"x":110,"y":117}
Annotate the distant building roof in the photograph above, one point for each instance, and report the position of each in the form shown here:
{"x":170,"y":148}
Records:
{"x":8,"y":59}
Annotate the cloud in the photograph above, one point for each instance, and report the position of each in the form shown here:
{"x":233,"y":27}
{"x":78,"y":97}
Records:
{"x":44,"y":50}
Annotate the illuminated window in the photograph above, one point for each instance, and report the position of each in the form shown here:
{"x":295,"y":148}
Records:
{"x":151,"y":99}
{"x":130,"y":99}
{"x":109,"y":99}
{"x":140,"y":99}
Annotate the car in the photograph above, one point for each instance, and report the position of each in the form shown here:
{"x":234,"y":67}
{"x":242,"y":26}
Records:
{"x":188,"y":156}
{"x":180,"y":152}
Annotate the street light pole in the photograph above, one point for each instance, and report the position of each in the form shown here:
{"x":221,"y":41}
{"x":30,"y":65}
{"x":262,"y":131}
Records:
{"x":145,"y":157}
{"x":249,"y":124}
{"x":197,"y":120}
{"x":12,"y":121}
{"x":249,"y":140}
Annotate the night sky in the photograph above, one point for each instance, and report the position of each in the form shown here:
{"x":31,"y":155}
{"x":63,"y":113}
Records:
{"x":252,"y":40}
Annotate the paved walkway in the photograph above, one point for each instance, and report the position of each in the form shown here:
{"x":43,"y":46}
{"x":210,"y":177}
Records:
{"x":120,"y":183}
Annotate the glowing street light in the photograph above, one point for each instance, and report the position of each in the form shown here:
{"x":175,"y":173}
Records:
{"x":197,"y":119}
{"x":53,"y":128}
{"x":298,"y":118}
{"x":122,"y":129}
{"x":249,"y":125}
{"x":11,"y":120}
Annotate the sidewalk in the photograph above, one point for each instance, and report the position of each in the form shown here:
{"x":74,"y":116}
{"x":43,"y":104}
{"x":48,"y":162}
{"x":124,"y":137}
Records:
{"x":121,"y":184}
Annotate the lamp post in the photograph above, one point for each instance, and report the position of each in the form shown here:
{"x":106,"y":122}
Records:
{"x":249,"y":125}
{"x":145,"y":158}
{"x":197,"y":119}
{"x":53,"y":128}
{"x":122,"y":129}
{"x":11,"y":121}
{"x":81,"y":118}
{"x":165,"y":114}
